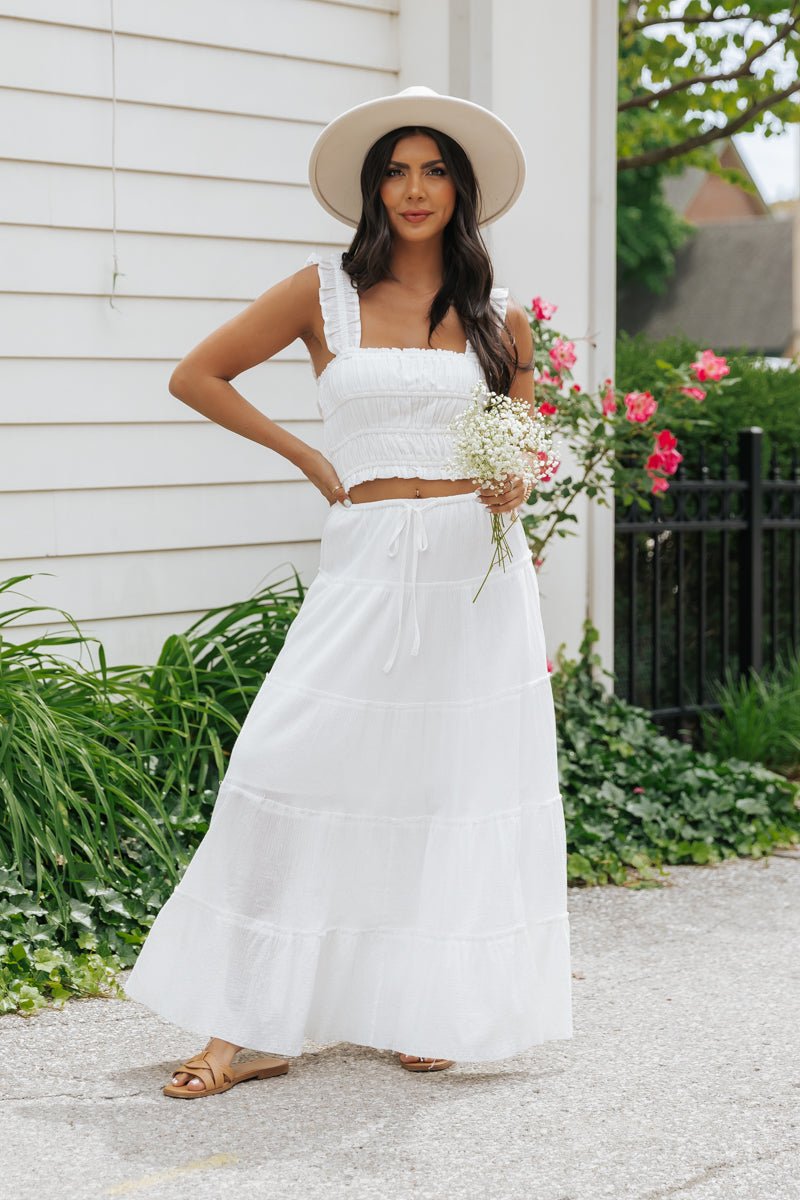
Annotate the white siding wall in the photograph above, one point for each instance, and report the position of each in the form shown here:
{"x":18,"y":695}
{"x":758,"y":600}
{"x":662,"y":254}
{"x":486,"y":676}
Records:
{"x":146,"y":513}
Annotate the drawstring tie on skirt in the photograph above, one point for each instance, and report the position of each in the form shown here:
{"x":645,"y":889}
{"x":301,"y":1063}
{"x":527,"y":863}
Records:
{"x":416,"y":539}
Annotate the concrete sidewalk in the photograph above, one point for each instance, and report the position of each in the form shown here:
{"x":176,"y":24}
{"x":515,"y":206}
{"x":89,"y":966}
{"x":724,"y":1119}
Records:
{"x":682,"y":1081}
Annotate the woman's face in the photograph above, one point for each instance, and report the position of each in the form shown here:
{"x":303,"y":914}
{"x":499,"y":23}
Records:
{"x":416,"y":180}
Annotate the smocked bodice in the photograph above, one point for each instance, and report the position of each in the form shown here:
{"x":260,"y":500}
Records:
{"x":385,"y":410}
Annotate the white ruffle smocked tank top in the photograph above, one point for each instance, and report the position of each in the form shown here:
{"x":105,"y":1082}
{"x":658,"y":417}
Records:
{"x":385,"y":409}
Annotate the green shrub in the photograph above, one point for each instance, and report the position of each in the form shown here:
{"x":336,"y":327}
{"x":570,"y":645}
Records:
{"x":107,"y":780}
{"x":79,"y":804}
{"x":762,"y":396}
{"x":760,"y":717}
{"x":635,"y":800}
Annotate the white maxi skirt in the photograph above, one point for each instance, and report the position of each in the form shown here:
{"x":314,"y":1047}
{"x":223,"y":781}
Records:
{"x":386,"y":859}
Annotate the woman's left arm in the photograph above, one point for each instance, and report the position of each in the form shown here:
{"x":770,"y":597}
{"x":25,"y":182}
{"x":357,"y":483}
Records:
{"x":522,"y":383}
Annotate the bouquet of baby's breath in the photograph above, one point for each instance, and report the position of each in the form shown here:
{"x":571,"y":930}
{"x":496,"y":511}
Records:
{"x":495,"y":437}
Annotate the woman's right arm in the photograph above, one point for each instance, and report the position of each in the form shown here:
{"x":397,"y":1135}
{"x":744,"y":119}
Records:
{"x":202,"y":379}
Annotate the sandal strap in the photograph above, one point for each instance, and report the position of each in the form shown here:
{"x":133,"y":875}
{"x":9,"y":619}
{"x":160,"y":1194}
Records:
{"x":201,"y":1066}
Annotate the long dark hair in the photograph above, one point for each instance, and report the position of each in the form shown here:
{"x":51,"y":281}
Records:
{"x":468,"y":275}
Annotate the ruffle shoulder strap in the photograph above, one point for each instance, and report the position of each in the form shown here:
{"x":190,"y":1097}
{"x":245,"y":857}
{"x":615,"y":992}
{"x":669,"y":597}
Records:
{"x":338,"y":300}
{"x":499,"y":299}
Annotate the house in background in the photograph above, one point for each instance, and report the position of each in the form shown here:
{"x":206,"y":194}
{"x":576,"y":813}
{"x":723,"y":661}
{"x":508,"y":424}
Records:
{"x":736,"y":284}
{"x":703,"y":198}
{"x":174,"y":153}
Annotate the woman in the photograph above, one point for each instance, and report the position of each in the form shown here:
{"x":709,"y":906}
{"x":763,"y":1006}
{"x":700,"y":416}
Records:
{"x":386,"y":859}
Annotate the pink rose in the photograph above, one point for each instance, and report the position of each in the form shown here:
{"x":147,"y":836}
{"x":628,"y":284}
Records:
{"x":659,"y":485}
{"x":710,"y":366}
{"x":547,"y":408}
{"x":665,"y":439}
{"x":664,"y":460}
{"x":693,"y":392}
{"x":541,"y":309}
{"x":549,"y":665}
{"x":562,"y":354}
{"x":609,"y":400}
{"x":545,"y":377}
{"x":666,"y":453}
{"x":640,"y":406}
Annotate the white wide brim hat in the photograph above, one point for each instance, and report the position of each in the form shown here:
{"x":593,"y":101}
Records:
{"x":334,"y":168}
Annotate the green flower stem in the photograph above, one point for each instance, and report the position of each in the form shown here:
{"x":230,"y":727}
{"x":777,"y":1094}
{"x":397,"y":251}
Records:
{"x":559,"y":512}
{"x":502,"y":549}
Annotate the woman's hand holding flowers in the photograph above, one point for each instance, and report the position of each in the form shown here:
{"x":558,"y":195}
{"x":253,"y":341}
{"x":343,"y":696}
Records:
{"x":506,"y":496}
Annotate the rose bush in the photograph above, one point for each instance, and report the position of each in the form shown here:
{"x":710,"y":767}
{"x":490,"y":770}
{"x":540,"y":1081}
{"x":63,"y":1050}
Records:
{"x":622,"y":443}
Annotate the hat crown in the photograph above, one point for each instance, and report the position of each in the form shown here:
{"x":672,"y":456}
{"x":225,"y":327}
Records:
{"x":418,"y":90}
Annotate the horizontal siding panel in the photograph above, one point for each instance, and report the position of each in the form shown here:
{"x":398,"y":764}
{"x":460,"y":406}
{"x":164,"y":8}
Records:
{"x":107,"y":585}
{"x":106,"y":456}
{"x":38,"y":194}
{"x":79,"y":261}
{"x":301,"y":28}
{"x":51,"y":58}
{"x":126,"y":640}
{"x":128,"y":520}
{"x":64,"y":391}
{"x":88,"y":327}
{"x":78,"y":132}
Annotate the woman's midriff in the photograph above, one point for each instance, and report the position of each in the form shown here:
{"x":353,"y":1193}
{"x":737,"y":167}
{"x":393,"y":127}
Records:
{"x":385,"y":489}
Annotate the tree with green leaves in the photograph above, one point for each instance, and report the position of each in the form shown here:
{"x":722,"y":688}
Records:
{"x":690,"y":74}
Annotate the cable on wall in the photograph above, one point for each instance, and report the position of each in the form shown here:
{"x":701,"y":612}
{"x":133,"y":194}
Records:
{"x":115,"y":260}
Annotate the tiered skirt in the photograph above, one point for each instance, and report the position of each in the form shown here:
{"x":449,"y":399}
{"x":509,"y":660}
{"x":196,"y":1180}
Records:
{"x":386,"y":859}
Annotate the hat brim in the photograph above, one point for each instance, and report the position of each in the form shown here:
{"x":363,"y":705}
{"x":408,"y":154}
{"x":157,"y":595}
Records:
{"x":334,"y":169}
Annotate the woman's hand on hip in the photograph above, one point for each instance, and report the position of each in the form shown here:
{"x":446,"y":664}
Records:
{"x":323,"y":475}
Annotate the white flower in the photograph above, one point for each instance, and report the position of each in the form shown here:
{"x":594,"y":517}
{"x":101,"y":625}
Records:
{"x":495,"y":437}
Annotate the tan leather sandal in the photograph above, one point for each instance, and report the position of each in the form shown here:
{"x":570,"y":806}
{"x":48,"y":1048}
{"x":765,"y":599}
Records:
{"x":218,"y":1078}
{"x":427,"y":1064}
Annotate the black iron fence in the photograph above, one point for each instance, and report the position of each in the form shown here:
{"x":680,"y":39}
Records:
{"x":709,"y":580}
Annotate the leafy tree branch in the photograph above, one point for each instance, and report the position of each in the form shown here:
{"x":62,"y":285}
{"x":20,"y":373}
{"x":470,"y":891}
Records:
{"x":734,"y":125}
